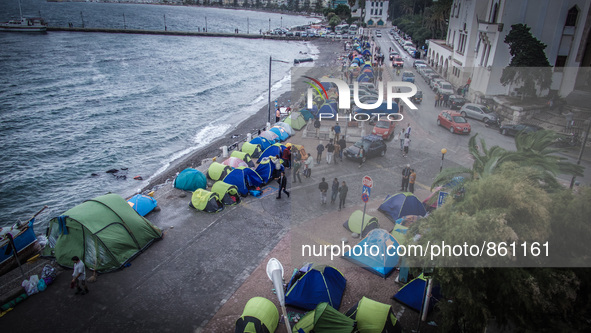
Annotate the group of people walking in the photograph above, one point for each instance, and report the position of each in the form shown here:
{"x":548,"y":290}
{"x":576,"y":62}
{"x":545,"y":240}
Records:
{"x":337,"y":190}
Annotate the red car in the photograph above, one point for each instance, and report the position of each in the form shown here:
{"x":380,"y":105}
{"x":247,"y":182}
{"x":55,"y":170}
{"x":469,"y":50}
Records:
{"x":453,"y":121}
{"x":398,"y":62}
{"x":384,"y":129}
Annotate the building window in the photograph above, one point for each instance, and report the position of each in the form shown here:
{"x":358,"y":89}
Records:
{"x":458,"y":13}
{"x":495,"y":13}
{"x":571,"y":17}
{"x":381,"y":4}
{"x":560,"y":63}
{"x":380,"y":12}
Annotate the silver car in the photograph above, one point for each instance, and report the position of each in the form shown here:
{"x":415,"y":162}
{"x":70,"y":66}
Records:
{"x":479,"y":112}
{"x":445,"y":88}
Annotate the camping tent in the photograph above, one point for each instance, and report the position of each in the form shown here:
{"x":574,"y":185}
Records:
{"x":381,"y":263}
{"x":286,"y":127}
{"x":308,"y":114}
{"x":353,"y":224}
{"x":142,"y":204}
{"x":326,"y":109}
{"x":228,"y":194}
{"x":296,"y":120}
{"x":271,"y":151}
{"x":217,"y":171}
{"x":270,"y":136}
{"x":324,"y":319}
{"x":402,"y":204}
{"x":374,"y":317}
{"x":234,"y":162}
{"x":104,"y":232}
{"x":265,"y":169}
{"x":254,"y":150}
{"x":318,"y":284}
{"x":262,"y":142}
{"x":206,"y":201}
{"x":412,"y":293}
{"x":281,"y":133}
{"x":259,"y":316}
{"x":243,"y":156}
{"x":244,"y":179}
{"x":190,"y":179}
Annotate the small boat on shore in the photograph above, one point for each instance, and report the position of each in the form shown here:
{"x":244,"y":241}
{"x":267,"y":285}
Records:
{"x":24,"y":24}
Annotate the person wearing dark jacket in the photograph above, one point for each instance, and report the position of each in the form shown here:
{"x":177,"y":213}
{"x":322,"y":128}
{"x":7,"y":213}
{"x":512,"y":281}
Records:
{"x":319,"y":149}
{"x":343,"y":195}
{"x":282,"y":180}
{"x":323,"y":187}
{"x":335,"y":190}
{"x":286,"y":157}
{"x":405,"y":177}
{"x":343,"y":143}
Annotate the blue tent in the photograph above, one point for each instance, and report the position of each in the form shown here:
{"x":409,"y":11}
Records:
{"x":190,"y":180}
{"x":412,"y":293}
{"x":307,"y":114}
{"x":366,"y":52}
{"x":318,"y":284}
{"x":327,"y":109}
{"x":381,"y":263}
{"x":281,"y":133}
{"x":363,"y":78}
{"x":264,"y":143}
{"x":271,"y":151}
{"x":265,"y":170}
{"x":402,"y":204}
{"x":142,"y":204}
{"x":244,"y":178}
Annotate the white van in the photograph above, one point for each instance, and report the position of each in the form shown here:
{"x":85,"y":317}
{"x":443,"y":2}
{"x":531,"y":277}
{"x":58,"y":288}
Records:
{"x":407,"y":44}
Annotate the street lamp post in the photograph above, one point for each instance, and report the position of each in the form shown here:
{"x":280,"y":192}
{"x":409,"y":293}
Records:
{"x":269,"y":26}
{"x":270,"y":62}
{"x":443,"y":152}
{"x":572,"y":181}
{"x":206,"y":24}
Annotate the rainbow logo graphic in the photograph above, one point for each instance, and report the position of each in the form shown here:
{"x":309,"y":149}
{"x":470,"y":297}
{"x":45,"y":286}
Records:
{"x":318,"y":86}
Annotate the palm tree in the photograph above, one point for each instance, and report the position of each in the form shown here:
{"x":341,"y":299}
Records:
{"x":533,"y":150}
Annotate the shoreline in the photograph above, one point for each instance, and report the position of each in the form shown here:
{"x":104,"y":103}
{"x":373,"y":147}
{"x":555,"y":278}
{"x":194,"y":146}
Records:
{"x":326,"y":56}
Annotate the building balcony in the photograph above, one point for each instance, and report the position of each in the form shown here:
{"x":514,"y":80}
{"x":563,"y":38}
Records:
{"x":490,"y":28}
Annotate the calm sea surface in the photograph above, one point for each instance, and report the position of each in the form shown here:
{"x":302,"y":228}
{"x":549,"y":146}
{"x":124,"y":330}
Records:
{"x":73,"y":104}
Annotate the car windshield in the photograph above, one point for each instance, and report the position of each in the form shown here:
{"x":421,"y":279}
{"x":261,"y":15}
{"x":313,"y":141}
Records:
{"x":446,"y":86}
{"x":458,"y":99}
{"x":362,"y":143}
{"x":419,"y":94}
{"x":397,"y":59}
{"x":408,"y":74}
{"x":486,"y":110}
{"x":383,"y":124}
{"x":459,"y":119}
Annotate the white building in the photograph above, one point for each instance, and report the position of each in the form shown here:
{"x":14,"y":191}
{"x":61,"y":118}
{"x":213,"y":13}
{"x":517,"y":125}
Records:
{"x":475,"y":45}
{"x":376,"y":13}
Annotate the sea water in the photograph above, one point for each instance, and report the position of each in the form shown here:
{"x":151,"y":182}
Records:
{"x":76,"y":104}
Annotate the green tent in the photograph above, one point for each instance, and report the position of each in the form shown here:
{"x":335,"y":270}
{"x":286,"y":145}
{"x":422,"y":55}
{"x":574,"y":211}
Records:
{"x":227,"y":193}
{"x":374,"y":317}
{"x":104,"y":232}
{"x":243,"y":156}
{"x":296,"y":121}
{"x":353,"y":224}
{"x":324,"y":319}
{"x":218,"y":171}
{"x":252,"y":149}
{"x":259,"y":316}
{"x":206,"y":201}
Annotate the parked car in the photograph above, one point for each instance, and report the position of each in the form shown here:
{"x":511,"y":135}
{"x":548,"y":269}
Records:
{"x":408,"y":77}
{"x":479,"y":112}
{"x":512,"y":130}
{"x":372,"y":144}
{"x":456,"y":102}
{"x":434,"y":81}
{"x":393,"y":54}
{"x":417,"y":98}
{"x":453,"y":121}
{"x":427,"y":71}
{"x":384,"y":129}
{"x":418,"y":62}
{"x":445,"y":88}
{"x":398,"y":62}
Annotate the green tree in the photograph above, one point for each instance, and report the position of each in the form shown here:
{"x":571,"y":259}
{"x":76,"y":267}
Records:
{"x":318,"y":7}
{"x":334,"y":21}
{"x":343,"y":11}
{"x":529,"y":66}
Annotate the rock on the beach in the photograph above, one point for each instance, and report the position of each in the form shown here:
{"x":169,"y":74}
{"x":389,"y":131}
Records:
{"x":355,"y":235}
{"x":345,"y":240}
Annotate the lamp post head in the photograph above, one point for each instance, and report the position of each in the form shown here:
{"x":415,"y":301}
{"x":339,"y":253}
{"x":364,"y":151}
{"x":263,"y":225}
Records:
{"x":443,"y":151}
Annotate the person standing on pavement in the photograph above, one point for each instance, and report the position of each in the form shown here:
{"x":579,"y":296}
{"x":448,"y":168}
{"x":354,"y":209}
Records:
{"x":297,"y":165}
{"x":329,"y":152}
{"x":277,"y":115}
{"x":407,"y":131}
{"x":335,"y":190}
{"x":401,"y":138}
{"x":343,"y":195}
{"x":319,"y":149}
{"x":79,"y":276}
{"x":406,"y":144}
{"x":361,"y":156}
{"x":437,"y":100}
{"x":405,"y":177}
{"x":343,"y":144}
{"x":411,"y":181}
{"x":286,"y":156}
{"x":337,"y":132}
{"x":308,"y":166}
{"x":317,"y":127}
{"x":282,"y":180}
{"x":323,"y":187}
{"x":331,"y":134}
{"x":337,"y":153}
{"x":445,"y":100}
